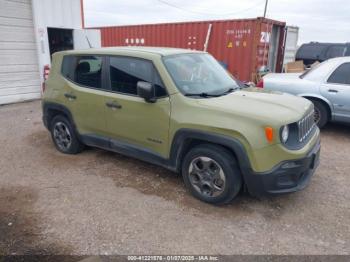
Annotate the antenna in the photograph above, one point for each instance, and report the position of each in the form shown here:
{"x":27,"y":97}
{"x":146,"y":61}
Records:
{"x":87,"y":39}
{"x":265,"y":8}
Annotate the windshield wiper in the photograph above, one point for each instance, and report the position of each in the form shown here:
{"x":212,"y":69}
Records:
{"x":202,"y":94}
{"x":230,"y":90}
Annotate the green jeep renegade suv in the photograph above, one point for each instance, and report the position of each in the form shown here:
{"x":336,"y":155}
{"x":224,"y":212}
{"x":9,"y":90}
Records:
{"x":180,"y":109}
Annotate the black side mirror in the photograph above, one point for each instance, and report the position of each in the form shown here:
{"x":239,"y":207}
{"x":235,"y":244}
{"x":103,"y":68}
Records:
{"x":146,"y":91}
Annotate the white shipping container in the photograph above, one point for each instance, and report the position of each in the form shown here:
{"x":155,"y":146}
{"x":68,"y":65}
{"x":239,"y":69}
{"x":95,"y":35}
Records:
{"x":291,"y":44}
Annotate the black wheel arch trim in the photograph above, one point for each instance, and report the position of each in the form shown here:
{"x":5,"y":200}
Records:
{"x":47,"y":106}
{"x":184,"y":136}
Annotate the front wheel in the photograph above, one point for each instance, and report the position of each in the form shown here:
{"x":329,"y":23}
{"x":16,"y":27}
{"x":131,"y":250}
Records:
{"x":211,"y":174}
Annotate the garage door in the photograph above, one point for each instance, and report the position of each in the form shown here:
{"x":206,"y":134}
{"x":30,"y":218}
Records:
{"x":19,"y":73}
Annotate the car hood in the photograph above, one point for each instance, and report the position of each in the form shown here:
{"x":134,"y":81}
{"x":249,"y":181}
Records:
{"x":259,"y":104}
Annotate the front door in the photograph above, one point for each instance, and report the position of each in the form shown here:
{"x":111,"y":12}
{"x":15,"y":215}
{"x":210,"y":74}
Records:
{"x":130,"y":119}
{"x":337,"y":90}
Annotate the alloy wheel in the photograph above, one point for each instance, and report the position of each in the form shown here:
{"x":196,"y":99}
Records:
{"x":62,"y":136}
{"x":207,"y":176}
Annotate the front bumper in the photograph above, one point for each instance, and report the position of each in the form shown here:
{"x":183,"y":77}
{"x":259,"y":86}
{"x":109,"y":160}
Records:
{"x":288,"y":176}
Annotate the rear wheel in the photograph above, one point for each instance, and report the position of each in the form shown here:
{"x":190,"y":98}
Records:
{"x":64,"y":136}
{"x":211,"y":174}
{"x":321,"y":113}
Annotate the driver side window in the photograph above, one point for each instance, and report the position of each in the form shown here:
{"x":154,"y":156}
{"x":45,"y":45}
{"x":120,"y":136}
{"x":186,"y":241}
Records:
{"x":125,"y":72}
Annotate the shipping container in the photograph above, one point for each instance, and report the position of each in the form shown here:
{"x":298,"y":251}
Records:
{"x":244,"y":45}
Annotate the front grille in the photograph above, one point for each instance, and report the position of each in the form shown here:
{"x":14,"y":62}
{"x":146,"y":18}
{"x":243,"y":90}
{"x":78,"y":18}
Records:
{"x":305,"y":126}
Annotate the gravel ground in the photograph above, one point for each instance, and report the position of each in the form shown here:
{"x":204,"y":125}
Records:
{"x":99,"y":202}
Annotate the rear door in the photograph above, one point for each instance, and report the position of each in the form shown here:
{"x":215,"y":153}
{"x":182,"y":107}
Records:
{"x":85,"y":92}
{"x":337,"y":90}
{"x":130,"y":118}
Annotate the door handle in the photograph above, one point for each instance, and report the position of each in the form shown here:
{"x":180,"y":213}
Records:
{"x":70,"y":96}
{"x":332,"y":91}
{"x":113,"y":105}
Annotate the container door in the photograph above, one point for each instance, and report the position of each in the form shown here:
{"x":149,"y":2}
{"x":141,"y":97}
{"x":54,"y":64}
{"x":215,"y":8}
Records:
{"x":273,"y":48}
{"x":291,"y":44}
{"x":86,"y":38}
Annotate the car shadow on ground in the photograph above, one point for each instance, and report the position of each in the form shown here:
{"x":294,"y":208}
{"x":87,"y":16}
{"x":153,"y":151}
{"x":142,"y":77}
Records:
{"x":341,"y":129}
{"x":149,"y":179}
{"x":153,"y":180}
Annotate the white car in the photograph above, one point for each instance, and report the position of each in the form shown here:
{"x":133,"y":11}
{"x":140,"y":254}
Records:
{"x":327,"y":85}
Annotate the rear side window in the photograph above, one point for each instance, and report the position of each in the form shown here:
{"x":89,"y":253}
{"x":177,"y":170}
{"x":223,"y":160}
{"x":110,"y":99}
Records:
{"x":341,"y":75}
{"x":68,"y":66}
{"x":125,"y":72}
{"x":83,"y":70}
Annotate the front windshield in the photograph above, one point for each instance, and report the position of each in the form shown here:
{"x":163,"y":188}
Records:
{"x":197,"y":73}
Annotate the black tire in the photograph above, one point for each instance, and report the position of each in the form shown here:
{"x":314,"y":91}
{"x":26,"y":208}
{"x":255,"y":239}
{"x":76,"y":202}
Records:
{"x":321,"y":113}
{"x":226,"y":161}
{"x":74,"y":146}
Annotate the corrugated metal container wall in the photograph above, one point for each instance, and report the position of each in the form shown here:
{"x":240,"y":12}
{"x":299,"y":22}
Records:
{"x":243,"y":45}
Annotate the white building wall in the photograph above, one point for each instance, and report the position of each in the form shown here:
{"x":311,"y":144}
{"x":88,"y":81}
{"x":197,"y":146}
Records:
{"x":24,"y":44}
{"x":53,"y":13}
{"x":19,"y":71}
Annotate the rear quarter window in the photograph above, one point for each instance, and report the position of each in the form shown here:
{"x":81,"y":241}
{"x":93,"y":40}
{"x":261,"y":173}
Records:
{"x":83,"y":70}
{"x":68,"y":67}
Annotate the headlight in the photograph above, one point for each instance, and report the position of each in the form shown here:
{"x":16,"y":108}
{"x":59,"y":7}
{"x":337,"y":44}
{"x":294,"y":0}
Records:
{"x":285,"y":134}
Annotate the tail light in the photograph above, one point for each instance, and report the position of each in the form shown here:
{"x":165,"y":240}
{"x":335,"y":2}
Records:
{"x":45,"y":76}
{"x":260,"y":84}
{"x":46,"y":72}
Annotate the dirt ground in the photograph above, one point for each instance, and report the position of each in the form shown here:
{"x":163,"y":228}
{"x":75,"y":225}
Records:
{"x":99,"y":202}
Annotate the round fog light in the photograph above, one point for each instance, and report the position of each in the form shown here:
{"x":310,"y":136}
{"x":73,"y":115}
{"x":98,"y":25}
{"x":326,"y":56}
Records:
{"x":285,"y":134}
